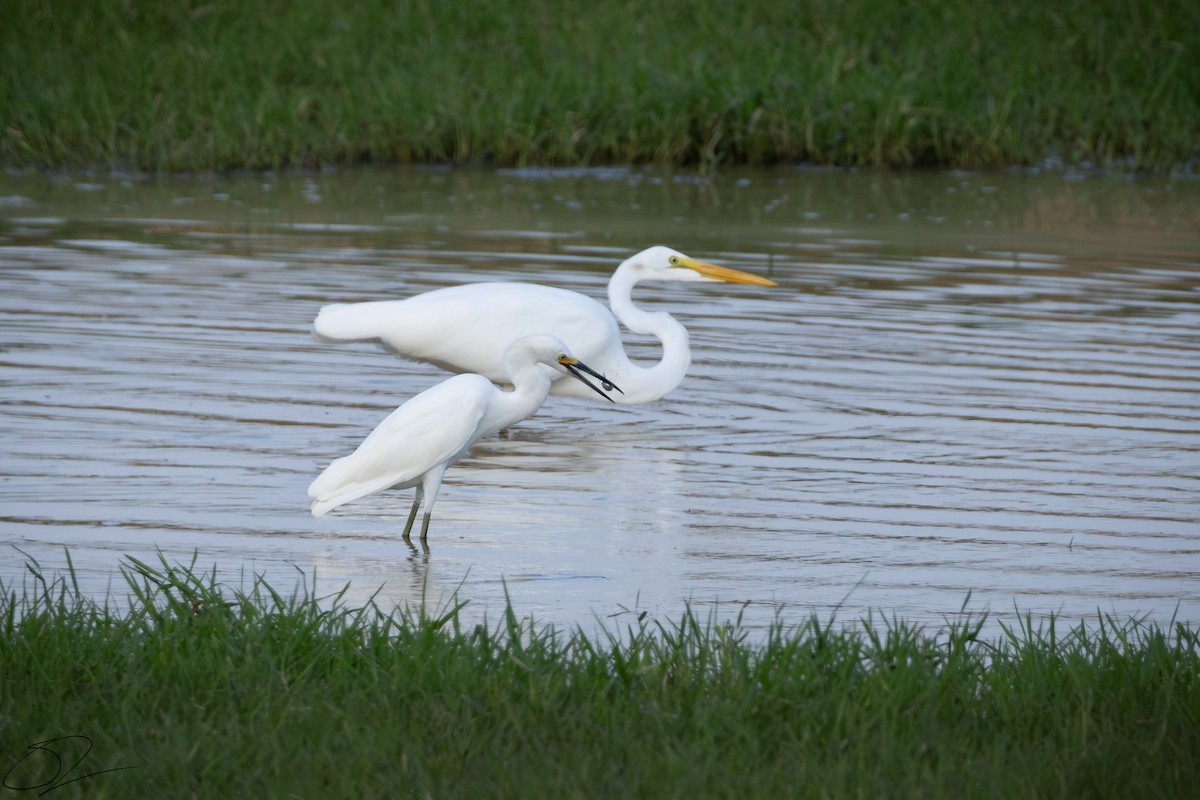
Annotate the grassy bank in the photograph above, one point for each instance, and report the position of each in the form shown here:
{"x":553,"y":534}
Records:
{"x":204,"y":692}
{"x":218,"y":84}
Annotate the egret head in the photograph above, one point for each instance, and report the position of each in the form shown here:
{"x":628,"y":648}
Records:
{"x":664,"y":264}
{"x":550,"y":350}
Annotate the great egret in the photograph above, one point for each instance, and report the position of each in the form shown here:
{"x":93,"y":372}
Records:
{"x":465,"y":328}
{"x":415,"y":444}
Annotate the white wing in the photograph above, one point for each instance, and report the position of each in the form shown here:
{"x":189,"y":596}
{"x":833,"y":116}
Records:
{"x":433,"y":428}
{"x":466,"y":328}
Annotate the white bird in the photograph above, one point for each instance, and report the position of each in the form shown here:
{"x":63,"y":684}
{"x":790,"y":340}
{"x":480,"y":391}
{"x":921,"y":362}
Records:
{"x":465,"y":328}
{"x":415,"y":444}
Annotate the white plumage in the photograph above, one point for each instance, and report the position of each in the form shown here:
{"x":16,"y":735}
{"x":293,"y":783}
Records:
{"x":415,"y":444}
{"x":465,"y":328}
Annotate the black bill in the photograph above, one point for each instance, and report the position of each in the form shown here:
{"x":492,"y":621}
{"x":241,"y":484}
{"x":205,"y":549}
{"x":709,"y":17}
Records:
{"x":579,"y":367}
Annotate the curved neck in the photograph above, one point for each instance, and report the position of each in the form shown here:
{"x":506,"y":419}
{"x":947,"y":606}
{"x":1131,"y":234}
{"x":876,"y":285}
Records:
{"x":531,"y":386}
{"x":620,"y":300}
{"x":644,"y":384}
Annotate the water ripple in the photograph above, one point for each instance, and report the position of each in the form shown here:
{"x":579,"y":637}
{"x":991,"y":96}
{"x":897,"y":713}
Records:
{"x":903,"y":421}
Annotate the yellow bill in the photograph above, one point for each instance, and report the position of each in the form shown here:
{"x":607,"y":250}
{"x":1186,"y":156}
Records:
{"x":721,"y":273}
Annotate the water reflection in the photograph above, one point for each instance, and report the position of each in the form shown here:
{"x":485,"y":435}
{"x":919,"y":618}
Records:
{"x":965,"y":382}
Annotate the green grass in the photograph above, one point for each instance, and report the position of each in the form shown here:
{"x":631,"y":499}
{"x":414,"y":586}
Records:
{"x":203,"y":691}
{"x":221,"y":84}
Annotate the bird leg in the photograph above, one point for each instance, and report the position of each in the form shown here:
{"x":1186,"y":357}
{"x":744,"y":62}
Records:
{"x":412,"y":515}
{"x":427,"y":489}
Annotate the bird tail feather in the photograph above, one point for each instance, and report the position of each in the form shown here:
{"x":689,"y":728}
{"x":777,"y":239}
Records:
{"x":338,"y":485}
{"x":351,"y":322}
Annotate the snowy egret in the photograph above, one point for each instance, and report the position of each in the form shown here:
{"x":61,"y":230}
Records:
{"x":415,"y":444}
{"x":465,"y":328}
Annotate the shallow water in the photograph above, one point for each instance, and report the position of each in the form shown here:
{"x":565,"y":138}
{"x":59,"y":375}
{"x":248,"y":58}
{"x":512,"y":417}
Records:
{"x":965,"y":383}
